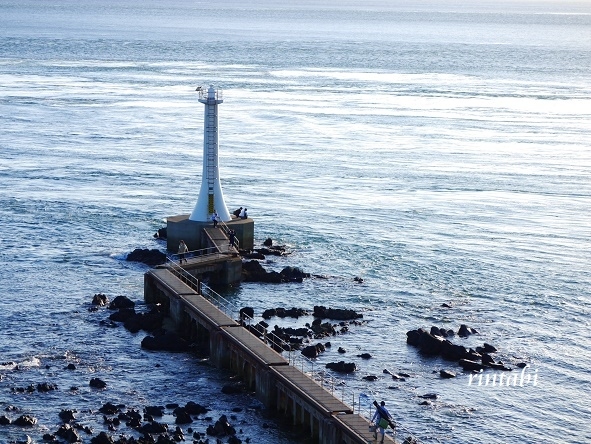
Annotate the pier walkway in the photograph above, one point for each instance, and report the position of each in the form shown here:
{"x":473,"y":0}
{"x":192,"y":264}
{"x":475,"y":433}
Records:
{"x":203,"y":316}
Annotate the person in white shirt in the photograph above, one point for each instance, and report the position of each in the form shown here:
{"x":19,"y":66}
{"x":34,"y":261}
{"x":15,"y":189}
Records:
{"x":381,"y":413}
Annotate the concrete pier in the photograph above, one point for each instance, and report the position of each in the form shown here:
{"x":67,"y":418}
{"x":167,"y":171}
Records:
{"x":278,"y":385}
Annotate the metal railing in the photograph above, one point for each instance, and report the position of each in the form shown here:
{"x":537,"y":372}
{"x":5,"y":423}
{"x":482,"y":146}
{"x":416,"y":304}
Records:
{"x":227,"y":230}
{"x":306,"y":365}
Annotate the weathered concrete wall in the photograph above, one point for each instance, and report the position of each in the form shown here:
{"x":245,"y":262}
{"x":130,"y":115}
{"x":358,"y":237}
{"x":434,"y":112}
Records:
{"x":180,"y":227}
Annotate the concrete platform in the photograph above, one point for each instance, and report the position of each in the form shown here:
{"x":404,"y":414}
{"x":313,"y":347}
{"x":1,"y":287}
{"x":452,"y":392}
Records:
{"x":207,"y":311}
{"x":246,"y":341}
{"x":310,"y":391}
{"x":358,"y":425}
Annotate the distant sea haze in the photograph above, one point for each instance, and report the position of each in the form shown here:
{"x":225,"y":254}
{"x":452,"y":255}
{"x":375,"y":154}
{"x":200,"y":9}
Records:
{"x":437,"y":151}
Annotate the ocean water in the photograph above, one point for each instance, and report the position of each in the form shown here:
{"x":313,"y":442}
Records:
{"x":441,"y":151}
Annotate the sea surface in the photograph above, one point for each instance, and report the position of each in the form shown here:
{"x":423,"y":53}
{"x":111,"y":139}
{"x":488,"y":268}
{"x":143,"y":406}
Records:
{"x":439,"y":150}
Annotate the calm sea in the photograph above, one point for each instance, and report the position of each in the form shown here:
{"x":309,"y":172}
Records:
{"x":439,"y":150}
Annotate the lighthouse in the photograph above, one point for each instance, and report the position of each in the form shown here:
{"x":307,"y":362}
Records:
{"x":211,"y":197}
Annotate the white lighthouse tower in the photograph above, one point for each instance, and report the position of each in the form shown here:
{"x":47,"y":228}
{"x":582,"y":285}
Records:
{"x":211,"y":197}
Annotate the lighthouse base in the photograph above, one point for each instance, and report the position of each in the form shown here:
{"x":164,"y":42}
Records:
{"x":181,"y":227}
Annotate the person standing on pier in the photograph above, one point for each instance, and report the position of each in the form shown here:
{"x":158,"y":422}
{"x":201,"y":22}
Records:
{"x":182,"y":251}
{"x":244,"y":214}
{"x":237,"y":212}
{"x":232,"y":238}
{"x":381,"y":419}
{"x":214,"y":218}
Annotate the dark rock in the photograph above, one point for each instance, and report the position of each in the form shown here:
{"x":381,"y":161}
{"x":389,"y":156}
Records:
{"x":167,"y":341}
{"x":342,"y":350}
{"x":471,"y":365}
{"x":247,"y":313}
{"x":97,"y":383}
{"x":312,"y":351}
{"x":429,"y":396}
{"x":453,"y":352}
{"x":70,"y":367}
{"x":153,"y":428}
{"x":149,"y":322}
{"x":364,"y":356}
{"x":358,"y":279}
{"x":195,"y":409}
{"x":149,"y":257}
{"x":154,"y":410}
{"x":268,"y":242}
{"x":487,"y":359}
{"x":46,"y":387}
{"x":109,"y":409}
{"x":489,"y":348}
{"x":466,"y":331}
{"x":48,"y":437}
{"x":100,"y":299}
{"x":4,"y":420}
{"x":102,"y":438}
{"x":522,"y":365}
{"x":161,"y":233}
{"x":25,"y":421}
{"x":293,"y":274}
{"x":370,"y":378}
{"x":122,"y":315}
{"x":67,"y":433}
{"x":342,"y":367}
{"x":67,"y":415}
{"x":121,"y":302}
{"x":430,"y":345}
{"x":446,"y":374}
{"x":335,"y":313}
{"x":182,"y":416}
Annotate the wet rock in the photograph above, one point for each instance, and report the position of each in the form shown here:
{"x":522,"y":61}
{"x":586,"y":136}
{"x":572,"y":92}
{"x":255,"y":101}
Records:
{"x":154,"y":410}
{"x":370,"y":378}
{"x":122,"y":315}
{"x":465,"y":331}
{"x":4,"y":420}
{"x":102,"y":438}
{"x":446,"y":374}
{"x":342,"y":350}
{"x":247,"y":313}
{"x":312,"y":351}
{"x":195,"y":409}
{"x":268,"y":242}
{"x":161,"y":233}
{"x":293,"y":274}
{"x":97,"y":383}
{"x":70,"y":367}
{"x":338,"y":314}
{"x":46,"y":387}
{"x":151,"y":257}
{"x":167,"y":341}
{"x":48,"y":437}
{"x":100,"y":299}
{"x":149,"y":322}
{"x":467,"y":364}
{"x":25,"y":421}
{"x":221,"y":428}
{"x":67,"y":415}
{"x":429,"y":396}
{"x":121,"y":302}
{"x":364,"y":356}
{"x":153,"y":428}
{"x":342,"y":367}
{"x":67,"y":433}
{"x":182,"y":416}
{"x":110,"y":409}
